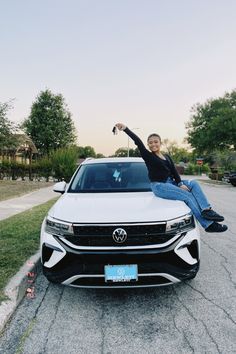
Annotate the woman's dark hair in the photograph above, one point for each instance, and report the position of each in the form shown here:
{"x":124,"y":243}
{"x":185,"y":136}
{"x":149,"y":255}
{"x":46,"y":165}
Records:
{"x":154,"y":134}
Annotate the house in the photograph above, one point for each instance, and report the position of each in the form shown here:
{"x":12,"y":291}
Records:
{"x":22,"y":153}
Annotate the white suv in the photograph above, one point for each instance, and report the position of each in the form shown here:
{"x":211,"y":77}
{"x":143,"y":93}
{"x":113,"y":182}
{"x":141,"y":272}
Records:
{"x":109,"y":230}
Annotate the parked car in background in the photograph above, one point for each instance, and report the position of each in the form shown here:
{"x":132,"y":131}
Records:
{"x":225,"y":178}
{"x":109,"y":230}
{"x":232,"y":178}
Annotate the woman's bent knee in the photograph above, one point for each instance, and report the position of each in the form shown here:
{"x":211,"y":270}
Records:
{"x":193,"y":183}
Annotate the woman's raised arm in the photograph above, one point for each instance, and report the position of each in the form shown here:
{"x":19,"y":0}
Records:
{"x":135,"y":138}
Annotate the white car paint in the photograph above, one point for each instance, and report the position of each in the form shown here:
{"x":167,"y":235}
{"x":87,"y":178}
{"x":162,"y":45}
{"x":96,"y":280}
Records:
{"x":116,"y":207}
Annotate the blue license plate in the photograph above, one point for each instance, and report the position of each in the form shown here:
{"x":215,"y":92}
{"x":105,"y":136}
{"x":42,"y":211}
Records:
{"x":121,"y":273}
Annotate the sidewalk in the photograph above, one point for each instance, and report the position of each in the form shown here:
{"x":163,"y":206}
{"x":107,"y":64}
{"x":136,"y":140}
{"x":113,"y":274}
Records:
{"x":16,"y":288}
{"x":14,"y":206}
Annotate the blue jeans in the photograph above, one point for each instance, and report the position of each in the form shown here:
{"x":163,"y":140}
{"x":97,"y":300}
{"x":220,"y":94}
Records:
{"x":195,"y":198}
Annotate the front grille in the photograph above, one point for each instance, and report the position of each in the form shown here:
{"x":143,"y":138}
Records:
{"x":90,"y":230}
{"x":101,"y":236}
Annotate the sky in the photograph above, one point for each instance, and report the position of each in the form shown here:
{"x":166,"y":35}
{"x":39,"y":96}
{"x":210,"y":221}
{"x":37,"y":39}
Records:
{"x":144,"y":63}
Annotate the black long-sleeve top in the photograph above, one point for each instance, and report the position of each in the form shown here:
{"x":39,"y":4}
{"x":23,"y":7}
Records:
{"x":158,"y":169}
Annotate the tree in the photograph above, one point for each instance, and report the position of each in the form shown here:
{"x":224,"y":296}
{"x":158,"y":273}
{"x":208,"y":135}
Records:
{"x":86,"y":151}
{"x":7,"y":128}
{"x":49,"y":124}
{"x":213,"y":124}
{"x":123,"y":152}
{"x":178,"y":154}
{"x":99,"y":155}
{"x":224,"y":159}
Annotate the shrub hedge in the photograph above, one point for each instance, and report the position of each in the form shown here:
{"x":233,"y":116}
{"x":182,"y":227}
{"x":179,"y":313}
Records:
{"x":60,"y":165}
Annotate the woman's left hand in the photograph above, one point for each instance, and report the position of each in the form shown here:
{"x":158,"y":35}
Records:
{"x":120,"y":126}
{"x":184,"y":187}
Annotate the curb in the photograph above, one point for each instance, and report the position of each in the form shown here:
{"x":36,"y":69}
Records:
{"x":18,"y":287}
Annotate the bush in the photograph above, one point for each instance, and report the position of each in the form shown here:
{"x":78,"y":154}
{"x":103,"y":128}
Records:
{"x":13,"y":169}
{"x":43,"y":168}
{"x":194,"y":169}
{"x":5,"y":169}
{"x":190,"y":169}
{"x":216,"y":176}
{"x":61,"y":164}
{"x":205,"y":168}
{"x":226,"y":159}
{"x":64,"y":163}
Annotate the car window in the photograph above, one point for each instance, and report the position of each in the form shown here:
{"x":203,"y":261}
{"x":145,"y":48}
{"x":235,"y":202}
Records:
{"x":111,"y":177}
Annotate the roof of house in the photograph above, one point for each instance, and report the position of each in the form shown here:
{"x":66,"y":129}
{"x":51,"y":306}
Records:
{"x":25,"y":144}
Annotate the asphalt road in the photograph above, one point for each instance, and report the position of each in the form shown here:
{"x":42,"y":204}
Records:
{"x":198,"y":316}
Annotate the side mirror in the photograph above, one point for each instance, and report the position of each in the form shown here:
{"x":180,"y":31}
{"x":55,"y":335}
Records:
{"x":59,"y":187}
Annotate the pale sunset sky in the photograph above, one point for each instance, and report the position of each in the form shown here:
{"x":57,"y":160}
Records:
{"x":141,"y":62}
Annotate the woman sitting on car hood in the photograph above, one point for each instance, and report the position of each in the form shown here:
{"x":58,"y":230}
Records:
{"x":166,"y":182}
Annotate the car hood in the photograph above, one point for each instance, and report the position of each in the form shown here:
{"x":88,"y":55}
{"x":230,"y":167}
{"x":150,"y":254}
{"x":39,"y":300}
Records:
{"x":116,"y":208}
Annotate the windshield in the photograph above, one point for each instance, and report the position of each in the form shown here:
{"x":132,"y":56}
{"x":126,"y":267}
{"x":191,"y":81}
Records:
{"x":111,"y":177}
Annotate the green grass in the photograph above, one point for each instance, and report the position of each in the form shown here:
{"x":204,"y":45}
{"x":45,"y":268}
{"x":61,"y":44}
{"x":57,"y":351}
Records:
{"x":19,"y":239}
{"x":10,"y":189}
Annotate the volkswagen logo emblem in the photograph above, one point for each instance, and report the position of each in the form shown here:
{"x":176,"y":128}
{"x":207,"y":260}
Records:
{"x":119,"y":235}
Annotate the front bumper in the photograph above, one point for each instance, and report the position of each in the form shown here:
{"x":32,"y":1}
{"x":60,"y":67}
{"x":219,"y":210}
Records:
{"x":157,"y":265}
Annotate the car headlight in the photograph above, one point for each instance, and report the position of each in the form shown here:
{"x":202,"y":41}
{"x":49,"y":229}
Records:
{"x":55,"y":227}
{"x":181,"y":224}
